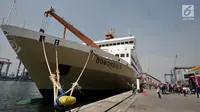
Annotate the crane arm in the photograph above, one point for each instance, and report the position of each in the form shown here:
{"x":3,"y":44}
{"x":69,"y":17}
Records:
{"x":75,"y":31}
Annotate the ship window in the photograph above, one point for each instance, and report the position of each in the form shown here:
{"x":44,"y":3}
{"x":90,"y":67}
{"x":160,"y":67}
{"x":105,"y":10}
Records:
{"x":117,"y":55}
{"x":99,"y":45}
{"x":121,"y":55}
{"x":127,"y":55}
{"x":103,"y":45}
{"x":130,"y":42}
{"x":114,"y":43}
{"x":125,"y":49}
{"x":126,"y":42}
{"x":110,"y":44}
{"x":106,"y":44}
{"x":122,"y":42}
{"x":118,"y":43}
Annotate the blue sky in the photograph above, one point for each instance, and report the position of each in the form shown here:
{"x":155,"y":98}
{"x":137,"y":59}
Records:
{"x":157,"y":25}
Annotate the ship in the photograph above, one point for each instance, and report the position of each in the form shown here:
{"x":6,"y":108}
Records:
{"x":113,"y":64}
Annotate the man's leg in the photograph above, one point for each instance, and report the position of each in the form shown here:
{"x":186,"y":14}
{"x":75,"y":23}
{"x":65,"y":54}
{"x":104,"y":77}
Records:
{"x":159,"y":94}
{"x":133,"y":91}
{"x":184,"y":92}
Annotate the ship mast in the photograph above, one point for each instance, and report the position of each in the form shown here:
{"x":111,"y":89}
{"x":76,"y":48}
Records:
{"x":75,"y":31}
{"x":8,"y":17}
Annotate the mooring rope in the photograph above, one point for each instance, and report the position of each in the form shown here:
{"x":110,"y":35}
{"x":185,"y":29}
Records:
{"x":75,"y":84}
{"x":52,"y":76}
{"x":56,"y":78}
{"x":124,"y":80}
{"x":57,"y":71}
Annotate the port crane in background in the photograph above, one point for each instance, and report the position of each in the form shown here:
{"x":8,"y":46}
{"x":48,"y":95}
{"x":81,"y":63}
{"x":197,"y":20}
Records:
{"x":68,"y":26}
{"x":4,"y":61}
{"x":172,"y":75}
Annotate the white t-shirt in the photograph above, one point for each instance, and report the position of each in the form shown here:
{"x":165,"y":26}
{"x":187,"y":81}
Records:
{"x":185,"y":88}
{"x":158,"y":89}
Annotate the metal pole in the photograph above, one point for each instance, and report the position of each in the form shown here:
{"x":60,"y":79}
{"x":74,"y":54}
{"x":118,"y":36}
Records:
{"x":20,"y":62}
{"x":1,"y":66}
{"x":24,"y":24}
{"x":7,"y":69}
{"x":23,"y":71}
{"x":10,"y":11}
{"x":138,"y":84}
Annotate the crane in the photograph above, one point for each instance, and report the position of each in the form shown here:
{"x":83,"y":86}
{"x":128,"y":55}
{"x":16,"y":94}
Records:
{"x":172,"y":75}
{"x":75,"y":31}
{"x":174,"y":78}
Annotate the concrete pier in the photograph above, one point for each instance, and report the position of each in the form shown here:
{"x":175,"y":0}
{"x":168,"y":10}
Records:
{"x":115,"y":103}
{"x":126,"y":102}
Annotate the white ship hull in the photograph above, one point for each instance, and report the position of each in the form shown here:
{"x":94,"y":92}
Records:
{"x":103,"y":72}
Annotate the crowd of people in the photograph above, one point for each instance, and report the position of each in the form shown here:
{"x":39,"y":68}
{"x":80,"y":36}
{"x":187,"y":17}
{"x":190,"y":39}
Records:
{"x":178,"y":89}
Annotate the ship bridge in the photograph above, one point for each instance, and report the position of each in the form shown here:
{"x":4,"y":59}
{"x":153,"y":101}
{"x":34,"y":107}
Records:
{"x":123,"y":48}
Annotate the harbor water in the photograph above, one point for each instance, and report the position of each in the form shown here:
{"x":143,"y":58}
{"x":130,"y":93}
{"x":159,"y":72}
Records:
{"x":13,"y":91}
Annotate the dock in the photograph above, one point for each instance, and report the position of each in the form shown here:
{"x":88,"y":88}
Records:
{"x":149,"y":102}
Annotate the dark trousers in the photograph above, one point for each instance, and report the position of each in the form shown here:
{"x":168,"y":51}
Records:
{"x":159,"y":94}
{"x":184,"y":91}
{"x":179,"y":91}
{"x":133,"y":90}
{"x":197,"y":94}
{"x":162,"y":91}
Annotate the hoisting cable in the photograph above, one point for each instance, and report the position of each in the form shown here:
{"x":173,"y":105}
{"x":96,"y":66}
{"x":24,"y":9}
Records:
{"x":45,"y":23}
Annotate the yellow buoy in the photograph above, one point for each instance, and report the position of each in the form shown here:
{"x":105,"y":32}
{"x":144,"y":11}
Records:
{"x":67,"y":100}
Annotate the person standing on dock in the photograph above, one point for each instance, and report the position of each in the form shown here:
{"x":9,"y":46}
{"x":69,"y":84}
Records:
{"x":198,"y":90}
{"x":184,"y":90}
{"x":133,"y":88}
{"x":158,"y":91}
